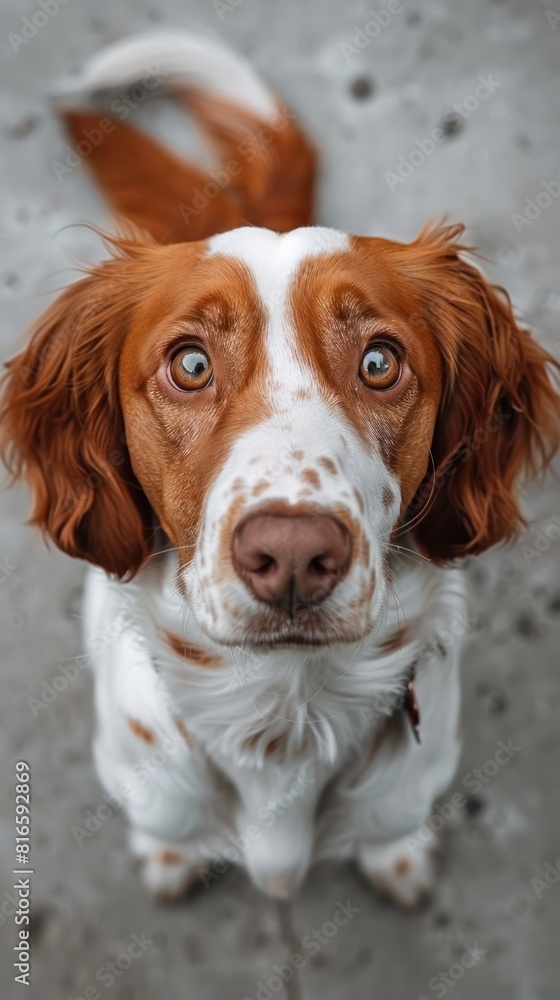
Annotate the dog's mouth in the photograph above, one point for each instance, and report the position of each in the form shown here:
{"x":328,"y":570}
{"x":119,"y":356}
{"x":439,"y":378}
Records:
{"x":295,"y":642}
{"x":308,"y":629}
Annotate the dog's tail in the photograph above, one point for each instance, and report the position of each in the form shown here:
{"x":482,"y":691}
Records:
{"x":266,"y":167}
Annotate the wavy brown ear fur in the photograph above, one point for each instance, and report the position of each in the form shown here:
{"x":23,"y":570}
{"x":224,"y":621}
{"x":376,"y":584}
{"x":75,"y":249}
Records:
{"x":499,"y":419}
{"x":62,"y":428}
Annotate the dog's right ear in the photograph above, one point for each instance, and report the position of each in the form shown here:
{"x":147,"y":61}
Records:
{"x":62,"y":427}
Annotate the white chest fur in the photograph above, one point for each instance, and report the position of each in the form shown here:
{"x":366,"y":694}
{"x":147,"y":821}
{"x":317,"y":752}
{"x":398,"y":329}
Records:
{"x":273,"y":757}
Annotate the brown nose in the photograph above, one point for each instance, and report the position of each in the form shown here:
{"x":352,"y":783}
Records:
{"x":291,"y":560}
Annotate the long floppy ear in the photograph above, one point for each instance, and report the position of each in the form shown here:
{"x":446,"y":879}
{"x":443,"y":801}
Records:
{"x":62,"y":428}
{"x":499,"y":418}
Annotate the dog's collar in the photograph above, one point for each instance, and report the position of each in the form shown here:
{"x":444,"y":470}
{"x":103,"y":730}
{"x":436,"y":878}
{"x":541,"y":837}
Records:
{"x":411,"y":707}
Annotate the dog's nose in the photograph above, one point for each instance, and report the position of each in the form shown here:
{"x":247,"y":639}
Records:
{"x":290,"y":560}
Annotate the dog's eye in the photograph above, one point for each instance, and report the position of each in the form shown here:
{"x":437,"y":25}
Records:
{"x":380,"y":367}
{"x":190,"y":369}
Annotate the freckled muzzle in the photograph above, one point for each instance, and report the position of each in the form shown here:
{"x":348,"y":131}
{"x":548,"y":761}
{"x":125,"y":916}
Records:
{"x":291,"y":562}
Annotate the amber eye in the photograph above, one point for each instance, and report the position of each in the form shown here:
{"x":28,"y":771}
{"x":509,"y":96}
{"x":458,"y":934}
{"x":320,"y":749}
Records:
{"x":190,"y":369}
{"x":380,"y":367}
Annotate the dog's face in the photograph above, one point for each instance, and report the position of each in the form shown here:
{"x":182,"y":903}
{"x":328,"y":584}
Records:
{"x":286,"y":402}
{"x":279,"y":411}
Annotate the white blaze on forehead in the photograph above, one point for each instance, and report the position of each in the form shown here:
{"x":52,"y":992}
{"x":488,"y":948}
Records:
{"x":273,"y":255}
{"x":273,"y":260}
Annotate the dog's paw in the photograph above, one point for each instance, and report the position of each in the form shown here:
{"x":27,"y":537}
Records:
{"x":166,"y":869}
{"x":393,"y":870}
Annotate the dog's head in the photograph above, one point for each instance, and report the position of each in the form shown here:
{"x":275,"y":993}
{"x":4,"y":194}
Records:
{"x":279,"y":405}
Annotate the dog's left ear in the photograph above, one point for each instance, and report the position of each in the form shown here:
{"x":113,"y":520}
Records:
{"x":500,"y":415}
{"x":61,"y":423}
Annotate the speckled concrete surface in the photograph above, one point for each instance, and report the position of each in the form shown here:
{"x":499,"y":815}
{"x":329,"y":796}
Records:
{"x":365,"y":109}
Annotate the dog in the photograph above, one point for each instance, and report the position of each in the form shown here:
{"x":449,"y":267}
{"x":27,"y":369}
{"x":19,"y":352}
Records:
{"x":274,"y":444}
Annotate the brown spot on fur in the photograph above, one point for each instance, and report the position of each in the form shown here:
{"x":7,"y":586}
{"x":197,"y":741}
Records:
{"x":359,"y":500}
{"x":311,"y":477}
{"x":366,"y":550}
{"x":141,"y":731}
{"x":170,"y":857}
{"x":366,"y":589}
{"x":276,"y":745}
{"x":401,"y":638}
{"x":387,"y":497}
{"x":298,"y":454}
{"x":194,"y":654}
{"x":328,"y":464}
{"x":401,"y":867}
{"x":394,"y":642}
{"x":184,"y":731}
{"x":260,"y":487}
{"x":251,"y":741}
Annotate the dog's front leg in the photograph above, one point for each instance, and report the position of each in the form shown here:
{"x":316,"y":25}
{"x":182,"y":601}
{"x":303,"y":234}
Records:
{"x":380,"y":807}
{"x":276,"y":822}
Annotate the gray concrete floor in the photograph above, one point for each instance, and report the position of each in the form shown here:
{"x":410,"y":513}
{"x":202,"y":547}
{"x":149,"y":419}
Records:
{"x":86,"y":901}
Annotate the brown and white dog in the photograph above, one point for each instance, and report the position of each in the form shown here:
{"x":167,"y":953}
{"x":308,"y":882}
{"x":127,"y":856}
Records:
{"x":237,"y":419}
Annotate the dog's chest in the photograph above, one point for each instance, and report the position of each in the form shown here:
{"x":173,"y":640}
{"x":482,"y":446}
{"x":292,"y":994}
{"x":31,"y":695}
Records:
{"x":254,"y":744}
